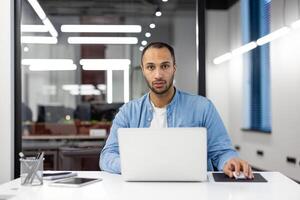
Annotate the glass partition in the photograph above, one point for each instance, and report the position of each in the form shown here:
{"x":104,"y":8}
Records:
{"x":80,"y":63}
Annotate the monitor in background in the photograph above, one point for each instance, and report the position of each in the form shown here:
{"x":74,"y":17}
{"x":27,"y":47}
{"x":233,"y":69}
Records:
{"x":104,"y":111}
{"x":50,"y":113}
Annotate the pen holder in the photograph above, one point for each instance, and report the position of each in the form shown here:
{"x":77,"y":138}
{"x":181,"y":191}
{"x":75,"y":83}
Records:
{"x":32,"y":171}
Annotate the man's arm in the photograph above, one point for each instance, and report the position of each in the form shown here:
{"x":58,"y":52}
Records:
{"x":220,"y":150}
{"x":110,"y":157}
{"x":218,"y":142}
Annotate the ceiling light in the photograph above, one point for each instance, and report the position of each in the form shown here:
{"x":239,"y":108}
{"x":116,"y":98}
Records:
{"x":26,"y":49}
{"x":109,"y":82}
{"x":34,"y":28}
{"x":85,"y":92}
{"x":38,"y":40}
{"x":158,"y":13}
{"x":243,"y":49}
{"x":148,"y":34}
{"x":37,"y":8}
{"x":101,"y":87}
{"x":103,"y":68}
{"x":101,"y":28}
{"x":144,"y":42}
{"x":222,"y":58}
{"x":141,"y":48}
{"x":78,"y":87}
{"x":296,"y":24}
{"x":107,"y":62}
{"x":50,"y":27}
{"x":49,"y":67}
{"x":164,"y":0}
{"x":46,"y":61}
{"x":272,"y":36}
{"x":102,"y":40}
{"x":126,"y":85}
{"x":152,"y":25}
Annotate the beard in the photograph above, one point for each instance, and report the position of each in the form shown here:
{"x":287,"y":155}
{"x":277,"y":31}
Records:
{"x":166,"y":88}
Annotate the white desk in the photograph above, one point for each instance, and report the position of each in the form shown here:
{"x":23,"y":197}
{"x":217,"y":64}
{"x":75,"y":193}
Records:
{"x":114,"y":188}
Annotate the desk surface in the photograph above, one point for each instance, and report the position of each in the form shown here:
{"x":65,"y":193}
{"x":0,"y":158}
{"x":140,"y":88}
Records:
{"x":61,"y":137}
{"x":114,"y":188}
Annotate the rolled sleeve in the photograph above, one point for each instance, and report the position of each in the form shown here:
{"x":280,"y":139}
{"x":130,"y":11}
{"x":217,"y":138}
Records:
{"x":110,"y":157}
{"x":218,"y":142}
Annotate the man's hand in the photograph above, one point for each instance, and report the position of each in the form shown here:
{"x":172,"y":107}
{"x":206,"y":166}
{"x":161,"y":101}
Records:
{"x":237,"y":165}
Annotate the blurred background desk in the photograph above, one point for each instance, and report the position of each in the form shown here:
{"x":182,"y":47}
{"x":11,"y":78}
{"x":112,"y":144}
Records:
{"x":66,"y":152}
{"x":112,"y":187}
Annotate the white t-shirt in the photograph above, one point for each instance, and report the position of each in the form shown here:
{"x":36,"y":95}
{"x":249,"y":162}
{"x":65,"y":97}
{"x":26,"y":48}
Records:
{"x":159,"y":119}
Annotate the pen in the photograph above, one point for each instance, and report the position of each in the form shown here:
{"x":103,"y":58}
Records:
{"x":34,"y":169}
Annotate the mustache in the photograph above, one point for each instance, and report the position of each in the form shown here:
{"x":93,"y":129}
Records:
{"x":159,"y":81}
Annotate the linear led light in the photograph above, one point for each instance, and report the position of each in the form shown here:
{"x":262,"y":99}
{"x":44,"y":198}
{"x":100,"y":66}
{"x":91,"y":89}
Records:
{"x":109,"y":82}
{"x":261,"y":41}
{"x":85,"y":92}
{"x":102,"y":40}
{"x":222,"y":58}
{"x":104,"y":68}
{"x":34,"y":28}
{"x":101,"y":28}
{"x":38,"y":40}
{"x":106,"y":62}
{"x":38,"y":9}
{"x":50,"y":27}
{"x":238,"y":51}
{"x":126,"y":85}
{"x":48,"y":67}
{"x":47,"y":61}
{"x":296,"y":24}
{"x":243,"y":49}
{"x":70,"y":87}
{"x":101,"y":87}
{"x":109,"y":65}
{"x":272,"y":36}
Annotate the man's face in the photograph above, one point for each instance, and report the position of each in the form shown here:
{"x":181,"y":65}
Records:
{"x":158,"y":69}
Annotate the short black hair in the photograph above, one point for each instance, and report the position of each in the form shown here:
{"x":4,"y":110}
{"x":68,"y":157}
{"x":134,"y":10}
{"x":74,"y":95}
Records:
{"x":158,"y":45}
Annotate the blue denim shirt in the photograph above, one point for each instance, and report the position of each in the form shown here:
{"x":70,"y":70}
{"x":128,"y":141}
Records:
{"x":185,"y":110}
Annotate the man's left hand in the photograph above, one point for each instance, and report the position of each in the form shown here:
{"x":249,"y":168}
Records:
{"x":237,"y":165}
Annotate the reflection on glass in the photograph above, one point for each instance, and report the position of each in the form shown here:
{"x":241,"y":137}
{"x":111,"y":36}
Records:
{"x":80,"y":64}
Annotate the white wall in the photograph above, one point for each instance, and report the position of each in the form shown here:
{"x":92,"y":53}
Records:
{"x":285,"y":93}
{"x":217,"y":75}
{"x":6,"y":90}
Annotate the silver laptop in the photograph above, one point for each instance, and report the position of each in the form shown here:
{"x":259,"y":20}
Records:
{"x":166,"y":154}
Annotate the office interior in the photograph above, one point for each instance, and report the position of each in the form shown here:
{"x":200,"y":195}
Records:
{"x":55,"y":98}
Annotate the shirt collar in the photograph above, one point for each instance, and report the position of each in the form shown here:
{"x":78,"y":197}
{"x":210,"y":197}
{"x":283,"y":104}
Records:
{"x":169,"y":106}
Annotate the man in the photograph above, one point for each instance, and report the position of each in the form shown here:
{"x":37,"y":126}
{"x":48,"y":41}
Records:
{"x":166,"y":106}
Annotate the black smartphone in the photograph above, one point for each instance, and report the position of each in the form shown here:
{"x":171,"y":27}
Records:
{"x":45,"y":174}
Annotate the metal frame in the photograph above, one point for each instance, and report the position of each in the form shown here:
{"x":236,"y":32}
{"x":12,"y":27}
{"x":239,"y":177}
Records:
{"x":17,"y":71}
{"x":201,"y":5}
{"x":17,"y":87}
